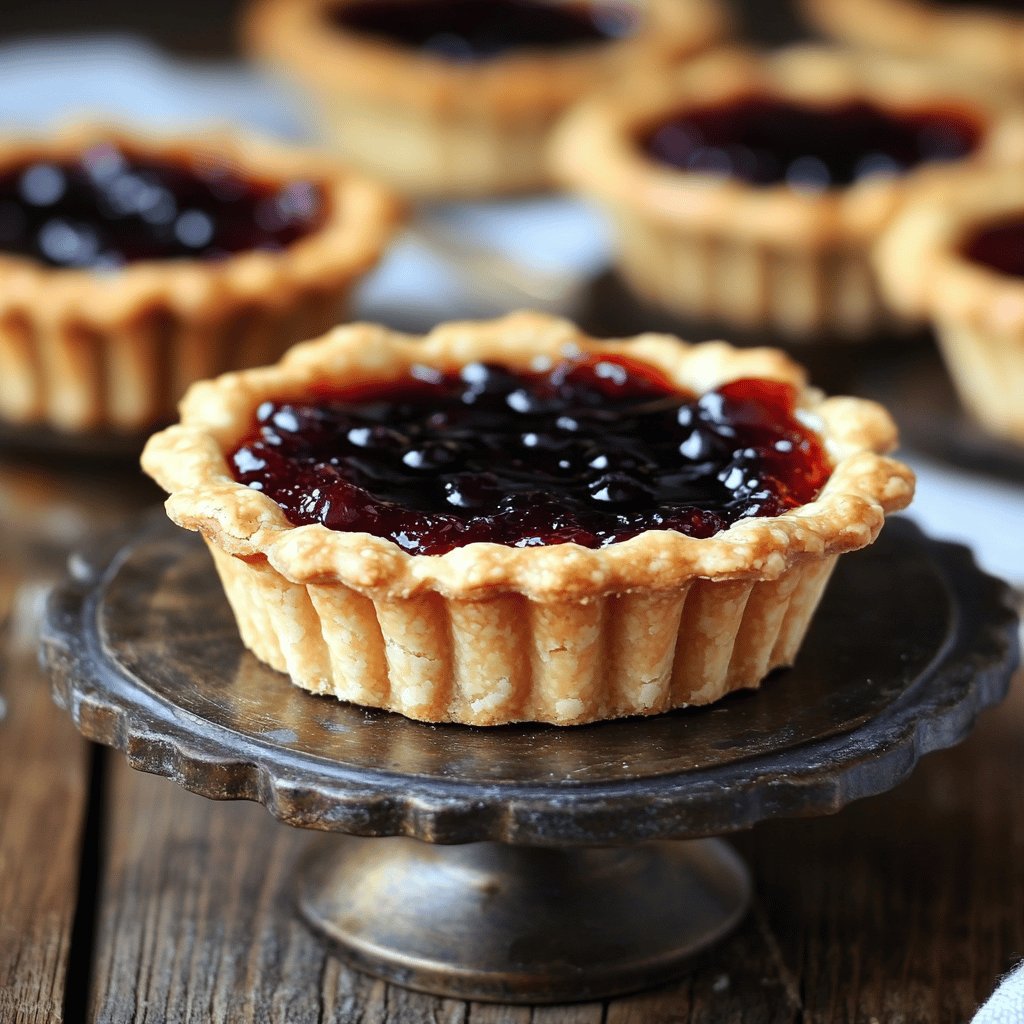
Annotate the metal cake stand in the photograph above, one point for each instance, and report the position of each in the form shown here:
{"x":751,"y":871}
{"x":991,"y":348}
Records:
{"x":532,"y":864}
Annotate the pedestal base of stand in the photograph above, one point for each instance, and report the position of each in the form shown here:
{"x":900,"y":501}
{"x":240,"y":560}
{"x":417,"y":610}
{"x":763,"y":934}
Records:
{"x":522,"y":925}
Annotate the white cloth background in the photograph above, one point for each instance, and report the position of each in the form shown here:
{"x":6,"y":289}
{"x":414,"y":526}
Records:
{"x":1007,"y":1003}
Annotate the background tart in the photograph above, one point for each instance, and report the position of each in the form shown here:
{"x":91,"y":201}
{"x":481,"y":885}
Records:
{"x":956,"y":259}
{"x":437,"y":126}
{"x":107,"y":316}
{"x":782,"y":254}
{"x":487,"y":633}
{"x":987,"y":38}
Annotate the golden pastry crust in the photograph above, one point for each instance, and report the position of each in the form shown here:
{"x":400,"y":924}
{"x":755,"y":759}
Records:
{"x":488,"y":634}
{"x":445,"y":128}
{"x":188,"y":461}
{"x":988,"y":41}
{"x":83,"y":350}
{"x":770,"y":257}
{"x":977,"y":312}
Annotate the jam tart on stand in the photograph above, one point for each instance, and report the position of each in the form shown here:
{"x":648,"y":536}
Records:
{"x":132,"y":265}
{"x":510,"y":521}
{"x":956,"y":259}
{"x":984,"y":36}
{"x":748,"y":191}
{"x":457,"y":98}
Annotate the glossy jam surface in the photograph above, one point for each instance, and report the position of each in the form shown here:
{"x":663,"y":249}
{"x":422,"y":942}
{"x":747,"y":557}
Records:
{"x":999,"y":247}
{"x":767,"y":141}
{"x":469,"y":30}
{"x":110,"y":208}
{"x":592,"y":451}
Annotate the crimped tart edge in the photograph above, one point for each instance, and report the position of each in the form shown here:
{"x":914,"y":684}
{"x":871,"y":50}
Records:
{"x":188,"y":461}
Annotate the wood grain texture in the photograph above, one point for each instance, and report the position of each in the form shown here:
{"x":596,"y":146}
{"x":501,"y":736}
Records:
{"x":905,"y":907}
{"x":910,"y":906}
{"x":43,"y":775}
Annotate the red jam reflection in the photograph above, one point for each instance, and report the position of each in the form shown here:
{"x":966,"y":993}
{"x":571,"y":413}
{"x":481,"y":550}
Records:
{"x":592,"y":451}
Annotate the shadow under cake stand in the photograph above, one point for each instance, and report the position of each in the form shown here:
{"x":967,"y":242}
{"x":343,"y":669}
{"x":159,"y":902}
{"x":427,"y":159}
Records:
{"x":536,"y":864}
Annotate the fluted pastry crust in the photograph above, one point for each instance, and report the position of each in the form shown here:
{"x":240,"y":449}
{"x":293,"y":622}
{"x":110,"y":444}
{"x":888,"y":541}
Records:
{"x":438,"y":127}
{"x":83,"y":350}
{"x":988,"y":41}
{"x":486,"y":633}
{"x":767,"y":258}
{"x":978,"y":313}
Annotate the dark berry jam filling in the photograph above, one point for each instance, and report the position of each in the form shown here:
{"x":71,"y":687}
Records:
{"x":593,"y":451}
{"x":468,"y":30}
{"x":999,"y":247}
{"x":109,"y":208}
{"x":767,"y":141}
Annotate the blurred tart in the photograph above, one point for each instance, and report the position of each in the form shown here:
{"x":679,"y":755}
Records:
{"x":956,"y":259}
{"x":986,"y":36}
{"x":509,"y":521}
{"x":131,"y":266}
{"x":748,"y":191}
{"x":457,"y":97}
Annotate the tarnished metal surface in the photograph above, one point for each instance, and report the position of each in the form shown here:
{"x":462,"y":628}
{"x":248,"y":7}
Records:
{"x":910,"y":643}
{"x":519,"y":925}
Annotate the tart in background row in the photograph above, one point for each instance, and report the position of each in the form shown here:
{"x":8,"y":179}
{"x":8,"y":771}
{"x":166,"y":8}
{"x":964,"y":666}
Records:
{"x":955,"y":258}
{"x":132,"y":265}
{"x":749,"y":190}
{"x":458,"y":98}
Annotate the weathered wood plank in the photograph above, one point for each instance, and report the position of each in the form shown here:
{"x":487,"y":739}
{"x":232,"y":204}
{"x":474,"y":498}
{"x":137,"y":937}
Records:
{"x":903,"y":907}
{"x":197,"y":922}
{"x":43,"y":784}
{"x":909,"y":906}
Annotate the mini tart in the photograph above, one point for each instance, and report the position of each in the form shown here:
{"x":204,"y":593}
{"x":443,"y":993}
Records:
{"x":762,"y":258}
{"x":435,"y":127}
{"x":976,"y":310}
{"x":85,"y":350}
{"x":988,"y":41}
{"x":488,"y":634}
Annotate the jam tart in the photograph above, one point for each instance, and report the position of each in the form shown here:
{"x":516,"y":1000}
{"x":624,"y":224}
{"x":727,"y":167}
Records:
{"x":457,"y":97}
{"x":131,"y":266}
{"x":983,"y":36}
{"x":747,"y":191}
{"x":510,"y":521}
{"x":955,"y":258}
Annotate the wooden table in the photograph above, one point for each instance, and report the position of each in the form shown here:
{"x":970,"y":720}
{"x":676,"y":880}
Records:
{"x":124,"y":898}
